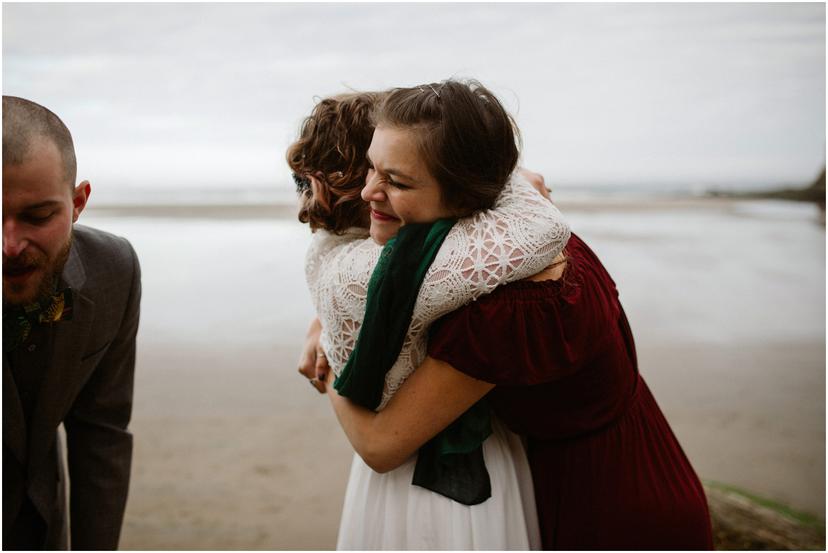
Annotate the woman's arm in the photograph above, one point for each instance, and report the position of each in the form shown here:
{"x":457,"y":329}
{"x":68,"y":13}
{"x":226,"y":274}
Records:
{"x":519,"y":237}
{"x":433,"y":397}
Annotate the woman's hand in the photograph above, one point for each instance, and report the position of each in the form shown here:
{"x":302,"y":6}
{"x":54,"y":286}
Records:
{"x":313,"y":364}
{"x":536,"y":180}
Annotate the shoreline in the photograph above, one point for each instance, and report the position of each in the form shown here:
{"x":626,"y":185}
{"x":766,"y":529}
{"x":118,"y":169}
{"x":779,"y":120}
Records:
{"x":625,"y":204}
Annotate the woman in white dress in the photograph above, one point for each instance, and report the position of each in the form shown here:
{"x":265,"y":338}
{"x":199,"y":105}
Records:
{"x":518,"y":235}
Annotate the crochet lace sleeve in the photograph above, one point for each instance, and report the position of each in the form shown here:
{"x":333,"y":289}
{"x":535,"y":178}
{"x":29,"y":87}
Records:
{"x":337,"y":269}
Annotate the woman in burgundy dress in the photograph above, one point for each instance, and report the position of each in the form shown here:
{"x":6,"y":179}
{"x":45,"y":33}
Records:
{"x":556,"y":359}
{"x":607,"y":469}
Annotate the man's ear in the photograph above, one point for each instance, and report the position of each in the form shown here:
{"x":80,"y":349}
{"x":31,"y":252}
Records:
{"x":80,"y":195}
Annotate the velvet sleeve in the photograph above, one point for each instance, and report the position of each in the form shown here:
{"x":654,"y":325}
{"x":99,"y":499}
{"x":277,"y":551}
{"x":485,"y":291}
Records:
{"x":531,"y":332}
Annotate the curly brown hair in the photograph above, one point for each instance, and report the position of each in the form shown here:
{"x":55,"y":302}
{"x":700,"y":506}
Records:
{"x":329,"y":158}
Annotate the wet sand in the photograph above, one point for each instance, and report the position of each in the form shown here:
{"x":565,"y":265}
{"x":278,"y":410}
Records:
{"x":252,"y":458}
{"x":232,"y":451}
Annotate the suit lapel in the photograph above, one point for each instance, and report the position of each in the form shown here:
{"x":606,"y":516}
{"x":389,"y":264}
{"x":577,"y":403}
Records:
{"x":14,"y":424}
{"x":63,"y":377}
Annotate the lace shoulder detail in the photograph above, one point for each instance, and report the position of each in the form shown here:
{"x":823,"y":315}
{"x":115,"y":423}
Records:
{"x":517,"y":238}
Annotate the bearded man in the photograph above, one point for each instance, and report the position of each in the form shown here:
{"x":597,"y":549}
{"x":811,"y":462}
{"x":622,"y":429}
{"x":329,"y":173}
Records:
{"x":71,"y":298}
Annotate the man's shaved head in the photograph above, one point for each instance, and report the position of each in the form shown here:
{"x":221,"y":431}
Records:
{"x":24,"y":124}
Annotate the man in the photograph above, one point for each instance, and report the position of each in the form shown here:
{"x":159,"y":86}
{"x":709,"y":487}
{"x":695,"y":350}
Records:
{"x":71,"y":298}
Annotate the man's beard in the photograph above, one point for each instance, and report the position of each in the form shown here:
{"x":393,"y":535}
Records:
{"x":51,"y":271}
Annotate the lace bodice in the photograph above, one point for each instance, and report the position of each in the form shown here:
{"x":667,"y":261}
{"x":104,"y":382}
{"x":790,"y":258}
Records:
{"x":518,"y":237}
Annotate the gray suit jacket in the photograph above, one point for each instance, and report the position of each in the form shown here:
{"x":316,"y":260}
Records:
{"x":88,"y":387}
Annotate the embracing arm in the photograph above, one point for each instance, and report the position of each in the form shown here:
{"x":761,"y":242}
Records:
{"x":519,"y":236}
{"x":434,"y":396}
{"x":536,"y":180}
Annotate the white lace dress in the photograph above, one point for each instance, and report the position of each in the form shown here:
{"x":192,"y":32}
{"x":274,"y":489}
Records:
{"x":521,"y":235}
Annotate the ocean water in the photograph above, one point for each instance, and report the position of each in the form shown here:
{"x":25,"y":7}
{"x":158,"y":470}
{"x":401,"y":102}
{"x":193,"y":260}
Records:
{"x":739,"y":273}
{"x":750,"y":273}
{"x":217,"y":283}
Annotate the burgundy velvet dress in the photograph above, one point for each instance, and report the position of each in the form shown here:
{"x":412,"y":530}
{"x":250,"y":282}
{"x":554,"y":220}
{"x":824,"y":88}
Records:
{"x":607,"y":469}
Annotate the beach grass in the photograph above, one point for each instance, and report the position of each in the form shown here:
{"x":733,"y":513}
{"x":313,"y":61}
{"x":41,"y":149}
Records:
{"x":800,"y":517}
{"x":743,"y":520}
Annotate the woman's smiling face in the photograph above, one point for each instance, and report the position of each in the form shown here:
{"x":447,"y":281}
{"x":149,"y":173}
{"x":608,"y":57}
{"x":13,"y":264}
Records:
{"x":399,"y":187}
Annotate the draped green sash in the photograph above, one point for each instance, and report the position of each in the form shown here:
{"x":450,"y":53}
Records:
{"x":451,"y":463}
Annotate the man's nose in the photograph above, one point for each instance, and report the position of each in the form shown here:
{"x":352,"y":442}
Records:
{"x":373,"y":190}
{"x":14,"y":240}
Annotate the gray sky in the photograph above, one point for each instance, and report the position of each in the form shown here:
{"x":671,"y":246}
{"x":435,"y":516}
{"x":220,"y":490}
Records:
{"x":209,"y":95}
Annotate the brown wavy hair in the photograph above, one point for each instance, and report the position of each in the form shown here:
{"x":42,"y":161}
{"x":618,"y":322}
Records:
{"x":329,"y":160}
{"x":468,"y":141}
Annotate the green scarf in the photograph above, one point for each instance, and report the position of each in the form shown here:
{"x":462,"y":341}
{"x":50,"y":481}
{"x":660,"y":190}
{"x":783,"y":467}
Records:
{"x":451,"y":463}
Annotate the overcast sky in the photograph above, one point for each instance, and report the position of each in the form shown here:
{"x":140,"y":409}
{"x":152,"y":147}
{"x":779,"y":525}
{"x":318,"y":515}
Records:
{"x":210,"y":95}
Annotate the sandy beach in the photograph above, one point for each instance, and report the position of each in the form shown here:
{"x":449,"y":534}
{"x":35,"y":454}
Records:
{"x":248,"y":458}
{"x":255,"y":460}
{"x":233,"y":450}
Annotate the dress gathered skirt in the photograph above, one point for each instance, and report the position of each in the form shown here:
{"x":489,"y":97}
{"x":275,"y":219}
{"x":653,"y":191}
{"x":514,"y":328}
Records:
{"x":386,"y":512}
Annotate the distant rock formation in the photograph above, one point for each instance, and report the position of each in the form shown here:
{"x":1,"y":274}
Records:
{"x":813,"y":193}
